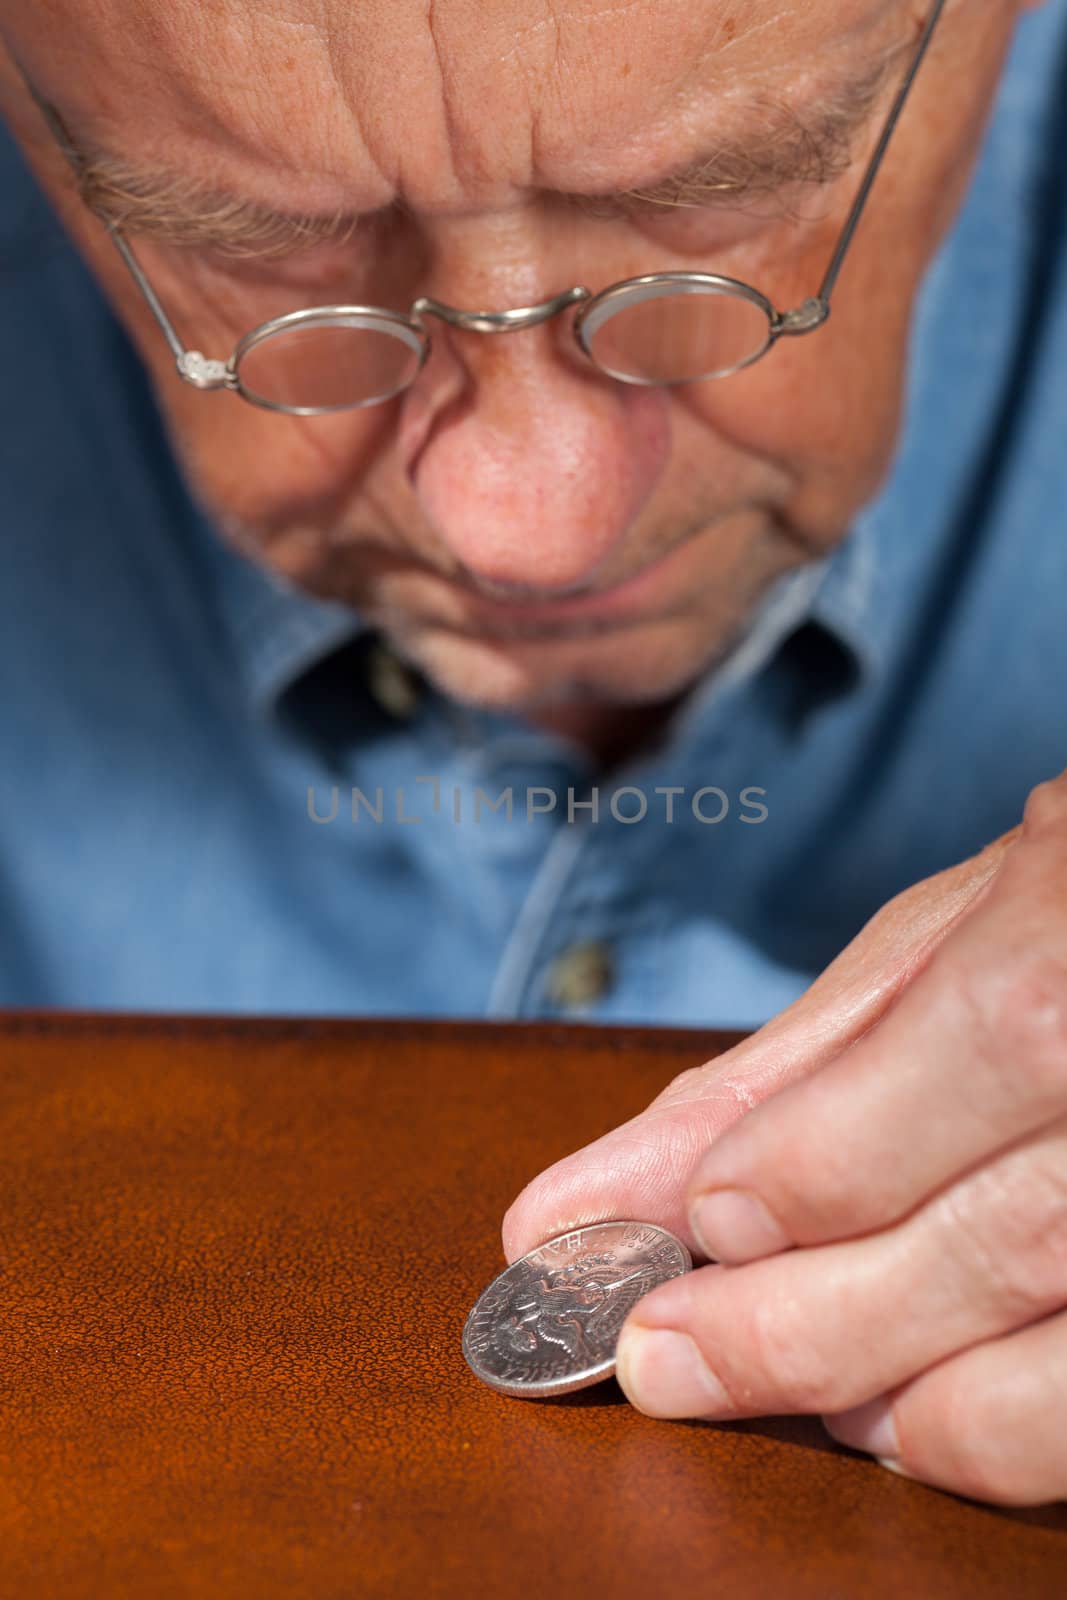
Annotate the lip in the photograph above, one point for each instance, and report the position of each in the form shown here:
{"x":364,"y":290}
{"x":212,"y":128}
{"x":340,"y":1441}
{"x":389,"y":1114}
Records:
{"x":620,"y":600}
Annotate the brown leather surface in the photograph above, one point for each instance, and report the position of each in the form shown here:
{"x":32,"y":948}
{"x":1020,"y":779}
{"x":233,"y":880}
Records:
{"x":236,"y":1262}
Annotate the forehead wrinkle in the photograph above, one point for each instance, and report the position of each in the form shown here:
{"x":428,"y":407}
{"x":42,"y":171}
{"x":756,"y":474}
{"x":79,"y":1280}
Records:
{"x":551,"y":26}
{"x":227,"y":91}
{"x":453,"y":148}
{"x":485,"y":103}
{"x":786,"y":149}
{"x":579,"y":17}
{"x":703,"y":85}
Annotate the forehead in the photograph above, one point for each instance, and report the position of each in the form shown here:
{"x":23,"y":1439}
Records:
{"x":353,"y":103}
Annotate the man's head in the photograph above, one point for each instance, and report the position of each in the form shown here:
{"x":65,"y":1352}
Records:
{"x":492,"y":156}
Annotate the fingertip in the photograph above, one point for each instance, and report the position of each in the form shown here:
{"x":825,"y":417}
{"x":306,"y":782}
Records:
{"x":515,"y":1233}
{"x":662,"y":1373}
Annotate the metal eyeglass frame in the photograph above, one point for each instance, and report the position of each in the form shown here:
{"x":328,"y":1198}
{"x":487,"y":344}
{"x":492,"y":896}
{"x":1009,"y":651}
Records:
{"x":204,"y":373}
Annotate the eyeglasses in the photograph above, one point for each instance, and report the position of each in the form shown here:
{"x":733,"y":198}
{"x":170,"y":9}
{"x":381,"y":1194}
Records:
{"x":667,"y":328}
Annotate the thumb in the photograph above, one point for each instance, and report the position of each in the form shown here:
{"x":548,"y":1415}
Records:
{"x":642,"y":1168}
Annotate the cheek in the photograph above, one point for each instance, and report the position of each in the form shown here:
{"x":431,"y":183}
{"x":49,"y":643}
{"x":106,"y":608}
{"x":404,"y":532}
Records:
{"x":266,"y":469}
{"x":824,"y":408}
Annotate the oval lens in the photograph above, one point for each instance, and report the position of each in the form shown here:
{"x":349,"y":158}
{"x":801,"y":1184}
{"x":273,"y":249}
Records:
{"x":329,"y":365}
{"x":662,"y":334}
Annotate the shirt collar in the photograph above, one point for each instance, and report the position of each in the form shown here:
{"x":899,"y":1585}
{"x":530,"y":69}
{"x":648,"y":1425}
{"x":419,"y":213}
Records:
{"x":276,"y":632}
{"x":833,"y":594}
{"x":846,"y":600}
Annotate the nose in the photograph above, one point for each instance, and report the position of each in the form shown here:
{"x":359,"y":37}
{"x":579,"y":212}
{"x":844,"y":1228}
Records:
{"x":529,"y":465}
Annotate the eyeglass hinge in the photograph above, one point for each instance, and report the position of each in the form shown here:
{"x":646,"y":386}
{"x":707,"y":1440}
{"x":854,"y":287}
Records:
{"x":806,"y":318}
{"x":196,"y":369}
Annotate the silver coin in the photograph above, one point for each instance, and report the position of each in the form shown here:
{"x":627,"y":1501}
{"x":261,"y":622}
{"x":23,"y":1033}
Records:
{"x":550,"y":1322}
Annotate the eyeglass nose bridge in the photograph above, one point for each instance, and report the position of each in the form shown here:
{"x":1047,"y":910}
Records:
{"x":499,"y":321}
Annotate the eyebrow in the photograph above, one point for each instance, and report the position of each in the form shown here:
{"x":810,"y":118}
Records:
{"x":783,"y":149}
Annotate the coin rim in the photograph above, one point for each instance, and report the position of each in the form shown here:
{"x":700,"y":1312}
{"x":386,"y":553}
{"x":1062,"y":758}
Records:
{"x":567,"y":1385}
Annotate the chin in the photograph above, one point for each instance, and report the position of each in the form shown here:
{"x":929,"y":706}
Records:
{"x":629,"y":667}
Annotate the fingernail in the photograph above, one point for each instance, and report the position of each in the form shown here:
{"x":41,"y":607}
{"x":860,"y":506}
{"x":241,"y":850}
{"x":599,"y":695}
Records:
{"x":664,"y":1375}
{"x":732,"y":1225}
{"x":868,"y":1427}
{"x":895,"y":1466}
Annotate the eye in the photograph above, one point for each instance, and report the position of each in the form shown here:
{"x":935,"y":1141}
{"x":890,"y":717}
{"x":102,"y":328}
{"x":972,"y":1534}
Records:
{"x":264,"y":258}
{"x":689,"y":226}
{"x":700,"y":229}
{"x":316,"y":262}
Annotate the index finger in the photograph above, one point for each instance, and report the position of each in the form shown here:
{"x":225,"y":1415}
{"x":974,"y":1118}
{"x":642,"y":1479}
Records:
{"x":643,"y":1168}
{"x":972,"y":1057}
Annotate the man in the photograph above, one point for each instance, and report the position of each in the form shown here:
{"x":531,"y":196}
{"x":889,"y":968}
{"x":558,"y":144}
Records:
{"x":274,"y":672}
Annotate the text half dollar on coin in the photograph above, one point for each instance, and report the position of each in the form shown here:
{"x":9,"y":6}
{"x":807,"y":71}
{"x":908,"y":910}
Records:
{"x":550,"y":1323}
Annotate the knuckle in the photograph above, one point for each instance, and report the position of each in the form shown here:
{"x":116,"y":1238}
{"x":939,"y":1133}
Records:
{"x":783,"y":1363}
{"x":1008,"y":1226}
{"x":687,"y":1085}
{"x":707,"y":1101}
{"x":1046,"y":809}
{"x":824,"y":1191}
{"x":1015,"y":1014}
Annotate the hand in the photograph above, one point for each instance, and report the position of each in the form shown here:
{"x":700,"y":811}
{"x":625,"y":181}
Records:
{"x":885,"y":1193}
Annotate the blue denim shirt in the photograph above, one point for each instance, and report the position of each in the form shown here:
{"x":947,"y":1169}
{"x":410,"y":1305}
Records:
{"x":218,"y":794}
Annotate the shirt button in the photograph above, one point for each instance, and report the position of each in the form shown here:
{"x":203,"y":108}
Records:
{"x":395,"y":686}
{"x":580,"y":975}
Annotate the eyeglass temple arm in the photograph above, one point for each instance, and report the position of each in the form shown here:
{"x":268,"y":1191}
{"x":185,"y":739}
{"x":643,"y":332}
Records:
{"x":195,"y":368}
{"x":826,"y":288}
{"x":169,"y":331}
{"x":192,"y":365}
